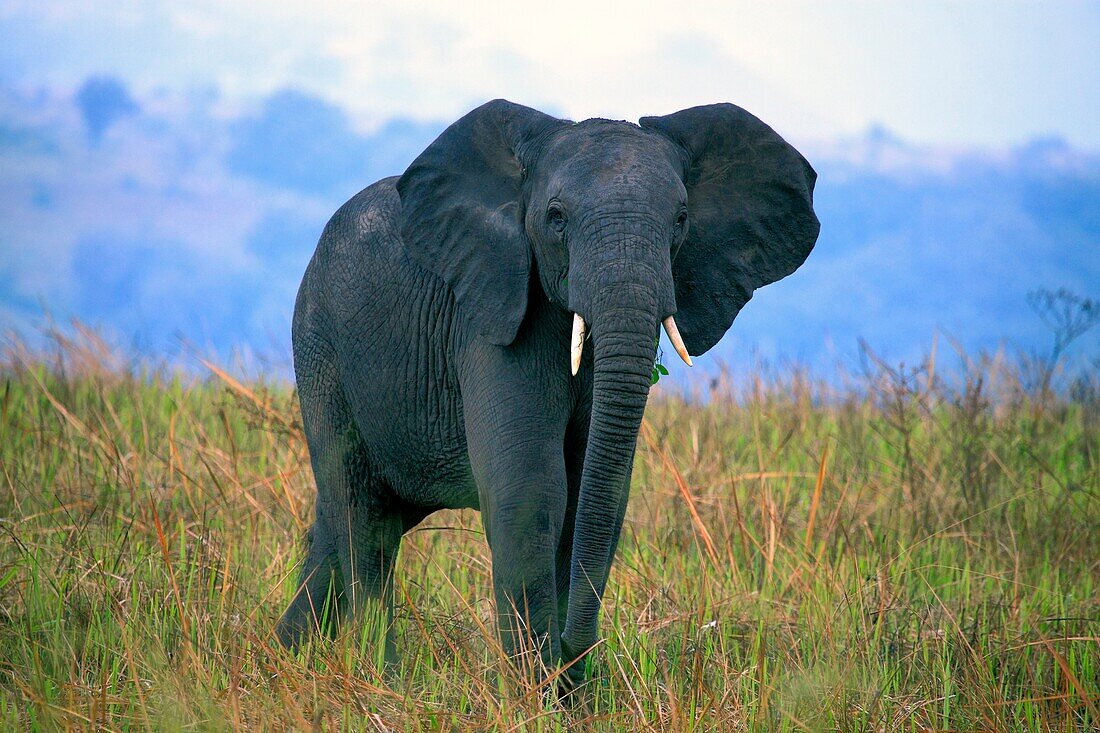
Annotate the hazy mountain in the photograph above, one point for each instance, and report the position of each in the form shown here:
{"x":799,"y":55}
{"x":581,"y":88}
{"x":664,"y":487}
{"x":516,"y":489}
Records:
{"x":178,"y":218}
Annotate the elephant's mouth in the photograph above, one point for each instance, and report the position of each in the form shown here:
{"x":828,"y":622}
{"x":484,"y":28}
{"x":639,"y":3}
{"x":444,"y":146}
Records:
{"x":576,"y":343}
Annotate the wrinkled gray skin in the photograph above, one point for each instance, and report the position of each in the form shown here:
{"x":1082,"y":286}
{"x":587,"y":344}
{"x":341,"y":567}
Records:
{"x":432,"y":331}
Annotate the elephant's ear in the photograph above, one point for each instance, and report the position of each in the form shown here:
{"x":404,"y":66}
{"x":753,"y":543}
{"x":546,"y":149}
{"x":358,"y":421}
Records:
{"x":462,"y":213}
{"x":750,"y":215}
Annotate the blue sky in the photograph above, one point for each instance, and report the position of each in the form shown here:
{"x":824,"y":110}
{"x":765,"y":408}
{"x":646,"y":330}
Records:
{"x":991,"y":73}
{"x":166,"y":167}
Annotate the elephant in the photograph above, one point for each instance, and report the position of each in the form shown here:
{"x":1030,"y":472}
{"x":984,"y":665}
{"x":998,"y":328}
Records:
{"x":480,"y":332}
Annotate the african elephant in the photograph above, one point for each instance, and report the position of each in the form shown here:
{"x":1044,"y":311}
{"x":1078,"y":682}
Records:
{"x":481,"y":332}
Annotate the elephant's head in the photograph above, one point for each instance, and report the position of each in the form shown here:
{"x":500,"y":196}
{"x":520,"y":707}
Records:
{"x":685,"y":215}
{"x":690,"y":212}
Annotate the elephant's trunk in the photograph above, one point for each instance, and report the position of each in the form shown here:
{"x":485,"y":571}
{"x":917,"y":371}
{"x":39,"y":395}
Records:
{"x":623,"y":320}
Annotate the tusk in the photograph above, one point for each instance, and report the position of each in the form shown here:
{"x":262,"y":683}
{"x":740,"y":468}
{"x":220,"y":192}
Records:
{"x":677,"y":342}
{"x":577,"y":344}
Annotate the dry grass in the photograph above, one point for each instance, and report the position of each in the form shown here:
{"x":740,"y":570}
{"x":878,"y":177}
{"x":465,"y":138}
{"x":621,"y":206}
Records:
{"x":908,"y":553}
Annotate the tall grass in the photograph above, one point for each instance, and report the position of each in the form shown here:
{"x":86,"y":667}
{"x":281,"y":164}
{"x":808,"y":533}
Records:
{"x":911,"y":552}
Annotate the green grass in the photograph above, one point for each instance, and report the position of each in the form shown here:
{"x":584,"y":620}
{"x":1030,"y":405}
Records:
{"x":905,"y":555}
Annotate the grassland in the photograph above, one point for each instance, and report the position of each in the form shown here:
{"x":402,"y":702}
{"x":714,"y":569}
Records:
{"x":912,"y":552}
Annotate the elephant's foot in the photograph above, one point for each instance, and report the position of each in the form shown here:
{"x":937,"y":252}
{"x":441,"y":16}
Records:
{"x":576,"y":696}
{"x":574,"y":689}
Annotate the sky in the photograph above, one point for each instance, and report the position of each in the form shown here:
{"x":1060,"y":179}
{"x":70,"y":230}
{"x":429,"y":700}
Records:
{"x":167,"y":167}
{"x":967,"y":73}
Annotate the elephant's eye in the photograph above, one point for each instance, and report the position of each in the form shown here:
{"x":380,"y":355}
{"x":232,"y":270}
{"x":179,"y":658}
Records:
{"x":555,"y":217}
{"x":681,"y":222}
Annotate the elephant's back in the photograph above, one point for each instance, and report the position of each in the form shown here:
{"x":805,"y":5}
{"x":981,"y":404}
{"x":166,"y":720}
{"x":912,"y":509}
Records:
{"x":390,"y":326}
{"x":360,"y":247}
{"x":360,"y":268}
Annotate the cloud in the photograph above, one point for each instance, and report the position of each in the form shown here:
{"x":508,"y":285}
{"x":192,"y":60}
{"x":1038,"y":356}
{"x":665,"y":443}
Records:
{"x":300,"y":142}
{"x":909,"y":251}
{"x":147,"y":179}
{"x":103,"y":100}
{"x":937,"y":71}
{"x":177,"y":220}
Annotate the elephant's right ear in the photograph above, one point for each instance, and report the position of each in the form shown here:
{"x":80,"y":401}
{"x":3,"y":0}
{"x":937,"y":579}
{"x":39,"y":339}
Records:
{"x":462,"y":212}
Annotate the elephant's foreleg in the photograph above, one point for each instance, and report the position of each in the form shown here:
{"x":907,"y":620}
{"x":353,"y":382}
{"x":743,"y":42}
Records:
{"x":575,"y":441}
{"x":521,"y":480}
{"x":523,"y":538}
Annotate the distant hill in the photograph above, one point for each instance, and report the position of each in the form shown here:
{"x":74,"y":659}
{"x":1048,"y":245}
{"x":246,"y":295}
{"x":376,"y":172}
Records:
{"x":178,"y":220}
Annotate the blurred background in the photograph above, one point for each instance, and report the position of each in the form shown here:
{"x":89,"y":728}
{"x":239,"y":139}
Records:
{"x":167,"y":167}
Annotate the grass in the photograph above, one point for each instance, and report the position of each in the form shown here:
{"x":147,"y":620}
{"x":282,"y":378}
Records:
{"x":909,"y":553}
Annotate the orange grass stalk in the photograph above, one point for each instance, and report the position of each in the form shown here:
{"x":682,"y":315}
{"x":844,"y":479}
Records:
{"x":700,"y":528}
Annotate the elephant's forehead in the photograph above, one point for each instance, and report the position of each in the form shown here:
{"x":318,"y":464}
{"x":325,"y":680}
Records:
{"x":609,"y":153}
{"x":603,"y":141}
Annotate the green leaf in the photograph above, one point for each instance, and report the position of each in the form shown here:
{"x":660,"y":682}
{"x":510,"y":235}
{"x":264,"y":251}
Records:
{"x":661,"y":368}
{"x":8,"y":576}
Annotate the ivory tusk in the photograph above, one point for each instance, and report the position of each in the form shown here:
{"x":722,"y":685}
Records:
{"x":577,"y":344}
{"x":677,"y":342}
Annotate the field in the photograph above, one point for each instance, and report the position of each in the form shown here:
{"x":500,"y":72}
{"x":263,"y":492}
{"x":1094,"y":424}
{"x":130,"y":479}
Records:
{"x":912,"y":551}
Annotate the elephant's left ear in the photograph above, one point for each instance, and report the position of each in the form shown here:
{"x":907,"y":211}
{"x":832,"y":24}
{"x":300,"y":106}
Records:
{"x":751,"y":219}
{"x":462,"y":212}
